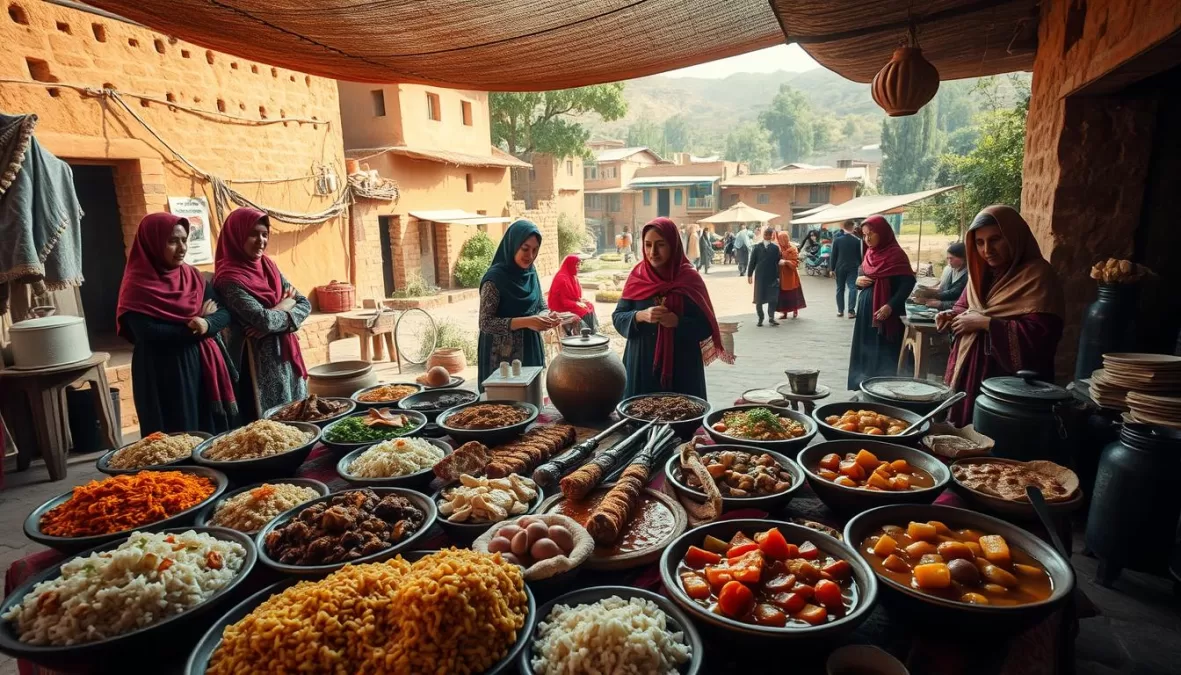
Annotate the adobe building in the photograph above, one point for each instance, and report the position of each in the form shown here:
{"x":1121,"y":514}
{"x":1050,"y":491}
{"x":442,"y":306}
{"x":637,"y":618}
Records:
{"x":684,"y":190}
{"x":610,"y":206}
{"x":793,"y":190}
{"x":553,"y":179}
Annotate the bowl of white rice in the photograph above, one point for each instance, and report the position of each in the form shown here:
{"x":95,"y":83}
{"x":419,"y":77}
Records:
{"x":261,"y":449}
{"x":249,"y":508}
{"x":124,"y":598}
{"x":398,"y":462}
{"x":612,"y":629}
{"x":152,"y":452}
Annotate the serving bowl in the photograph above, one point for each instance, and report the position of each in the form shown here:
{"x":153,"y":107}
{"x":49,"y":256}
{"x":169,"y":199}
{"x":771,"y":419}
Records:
{"x":349,"y":408}
{"x":156,"y":638}
{"x":847,"y":500}
{"x":198,"y":662}
{"x":205,"y":515}
{"x":789,"y":445}
{"x":673,"y":473}
{"x":489,"y":437}
{"x":431,"y":396}
{"x":463,"y":534}
{"x":1004,"y":507}
{"x":365,"y":405}
{"x":832,"y":433}
{"x":344,"y":447}
{"x":874,"y":390}
{"x":424,"y":503}
{"x":259,"y":468}
{"x":104,"y":463}
{"x":33,"y":531}
{"x":726,"y":628}
{"x":936,"y":611}
{"x":416,"y":480}
{"x":682,"y":428}
{"x":678,"y":621}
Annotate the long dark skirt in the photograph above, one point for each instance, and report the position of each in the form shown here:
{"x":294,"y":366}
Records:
{"x":791,"y":301}
{"x":873,"y":353}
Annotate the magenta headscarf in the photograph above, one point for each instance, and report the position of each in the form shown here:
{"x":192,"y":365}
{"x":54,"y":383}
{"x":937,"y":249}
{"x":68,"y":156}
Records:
{"x":881,"y":262}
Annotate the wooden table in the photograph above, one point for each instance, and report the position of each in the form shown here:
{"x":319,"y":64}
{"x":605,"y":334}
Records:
{"x":40,"y":397}
{"x":918,"y":338}
{"x":370,"y":325}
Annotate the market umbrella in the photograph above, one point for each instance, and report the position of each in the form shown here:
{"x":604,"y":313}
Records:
{"x":741,"y":213}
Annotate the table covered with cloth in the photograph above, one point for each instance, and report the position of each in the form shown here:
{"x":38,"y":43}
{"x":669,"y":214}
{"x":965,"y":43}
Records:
{"x":1035,"y":652}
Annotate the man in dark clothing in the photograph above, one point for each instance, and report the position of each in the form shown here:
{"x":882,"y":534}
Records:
{"x":742,"y":246}
{"x":844,"y":261}
{"x":764,"y":268}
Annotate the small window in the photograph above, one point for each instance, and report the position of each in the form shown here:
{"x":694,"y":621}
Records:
{"x":378,"y":102}
{"x":433,"y":110}
{"x":764,"y":198}
{"x":569,"y":167}
{"x":818,"y":194}
{"x":467,"y":113}
{"x":532,"y":173}
{"x":733,"y":199}
{"x":590,"y":172}
{"x":471,"y":185}
{"x":676,"y":197}
{"x":647,"y":198}
{"x":613,"y":203}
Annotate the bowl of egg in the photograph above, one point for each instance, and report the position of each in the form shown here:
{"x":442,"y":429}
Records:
{"x":549,"y":547}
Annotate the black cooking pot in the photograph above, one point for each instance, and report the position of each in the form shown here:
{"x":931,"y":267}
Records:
{"x":1028,"y":418}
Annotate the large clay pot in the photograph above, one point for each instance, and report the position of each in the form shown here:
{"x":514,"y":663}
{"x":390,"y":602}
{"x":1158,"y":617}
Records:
{"x":451,"y":358}
{"x":586,"y":379}
{"x":906,"y":83}
{"x":340,"y":378}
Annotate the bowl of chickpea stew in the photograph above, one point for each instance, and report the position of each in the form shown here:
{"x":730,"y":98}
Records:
{"x":857,"y":420}
{"x":747,"y":477}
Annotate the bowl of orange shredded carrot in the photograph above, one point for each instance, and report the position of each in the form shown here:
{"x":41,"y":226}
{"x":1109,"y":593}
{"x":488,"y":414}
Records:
{"x":108,"y":509}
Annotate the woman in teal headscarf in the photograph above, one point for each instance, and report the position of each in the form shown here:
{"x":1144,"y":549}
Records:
{"x":512,"y":309}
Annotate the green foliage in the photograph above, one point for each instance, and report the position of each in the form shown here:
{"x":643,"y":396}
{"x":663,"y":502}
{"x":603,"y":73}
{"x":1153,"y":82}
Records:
{"x":571,"y":238}
{"x":789,"y":119}
{"x":474,"y":259}
{"x":611,"y":257}
{"x":541,"y":121}
{"x":678,"y":134}
{"x":910,"y":151}
{"x":448,"y":334}
{"x":416,"y":287}
{"x":752,"y":144}
{"x":826,"y":133}
{"x":644,"y":133}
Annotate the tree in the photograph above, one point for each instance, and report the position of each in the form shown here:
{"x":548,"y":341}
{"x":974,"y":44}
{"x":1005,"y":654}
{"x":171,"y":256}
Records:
{"x":678,"y":134}
{"x":825,"y":133}
{"x":789,"y":120}
{"x":644,"y":133}
{"x":910,"y":152}
{"x":750,"y":143}
{"x":541,"y":121}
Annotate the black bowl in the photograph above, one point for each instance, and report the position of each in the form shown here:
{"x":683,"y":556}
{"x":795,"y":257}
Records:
{"x":724,"y":627}
{"x":75,"y":544}
{"x":682,"y":428}
{"x":342,"y":448}
{"x":677,"y":622}
{"x":365,"y":405}
{"x":121,"y":647}
{"x":463,"y":534}
{"x":847,"y":500}
{"x":673,"y":472}
{"x":198,"y":662}
{"x":414,"y":481}
{"x":789,"y":446}
{"x":352,"y":405}
{"x":489,"y":437}
{"x":424,"y":503}
{"x":430,"y":400}
{"x":934,"y":611}
{"x":206,"y":514}
{"x":261,"y":468}
{"x":104,"y":463}
{"x":832,"y":433}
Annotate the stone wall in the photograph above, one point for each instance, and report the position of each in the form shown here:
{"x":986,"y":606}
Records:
{"x":545,"y":217}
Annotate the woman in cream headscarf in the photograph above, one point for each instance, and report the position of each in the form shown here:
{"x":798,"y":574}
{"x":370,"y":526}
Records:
{"x":1010,"y":315}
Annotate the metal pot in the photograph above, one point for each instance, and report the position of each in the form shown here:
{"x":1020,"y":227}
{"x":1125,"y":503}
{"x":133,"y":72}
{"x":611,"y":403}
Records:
{"x":49,"y":341}
{"x":1028,"y":418}
{"x":586,"y":379}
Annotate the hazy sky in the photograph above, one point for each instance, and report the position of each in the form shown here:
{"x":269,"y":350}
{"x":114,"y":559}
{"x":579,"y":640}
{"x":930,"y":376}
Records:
{"x":779,"y":57}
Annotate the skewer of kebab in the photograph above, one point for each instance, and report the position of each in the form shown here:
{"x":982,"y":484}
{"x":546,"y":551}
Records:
{"x":587,"y":477}
{"x":550,"y":472}
{"x":612,"y":514}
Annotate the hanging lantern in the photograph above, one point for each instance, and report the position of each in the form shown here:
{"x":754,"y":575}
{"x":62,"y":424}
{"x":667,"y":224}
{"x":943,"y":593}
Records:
{"x":907,"y":82}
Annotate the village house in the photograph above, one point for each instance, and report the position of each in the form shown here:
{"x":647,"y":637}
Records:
{"x":555,"y":179}
{"x":683,"y":190}
{"x":609,"y":204}
{"x":794,"y":189}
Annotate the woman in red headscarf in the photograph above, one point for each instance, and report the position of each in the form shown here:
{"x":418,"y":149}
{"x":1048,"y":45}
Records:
{"x":180,"y":373}
{"x":1010,"y":315}
{"x":565,"y":295}
{"x":667,"y":317}
{"x":268,"y":312}
{"x":791,"y":293}
{"x":886,"y":281}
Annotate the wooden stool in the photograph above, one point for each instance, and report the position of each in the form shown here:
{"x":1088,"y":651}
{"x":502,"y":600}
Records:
{"x":371,"y":326}
{"x":39,"y":396}
{"x":918,"y":338}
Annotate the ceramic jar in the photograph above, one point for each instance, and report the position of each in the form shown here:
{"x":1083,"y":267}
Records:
{"x":586,"y":379}
{"x":341,"y":378}
{"x":451,"y":358}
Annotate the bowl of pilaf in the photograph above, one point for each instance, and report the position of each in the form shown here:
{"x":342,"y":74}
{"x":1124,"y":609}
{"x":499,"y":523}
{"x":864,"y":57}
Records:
{"x":261,"y":449}
{"x":489,"y":422}
{"x":153,"y":451}
{"x":102,"y":511}
{"x":249,"y":508}
{"x":384,"y":395}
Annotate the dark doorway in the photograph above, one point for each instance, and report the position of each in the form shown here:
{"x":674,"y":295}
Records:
{"x":662,"y":203}
{"x":103,"y":258}
{"x":387,"y":253}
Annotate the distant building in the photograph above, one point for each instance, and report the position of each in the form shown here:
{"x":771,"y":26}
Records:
{"x":794,"y":190}
{"x":609,"y":206}
{"x":558,"y":180}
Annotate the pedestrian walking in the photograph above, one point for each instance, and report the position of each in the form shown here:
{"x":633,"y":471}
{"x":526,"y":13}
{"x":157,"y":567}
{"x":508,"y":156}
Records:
{"x":742,"y":244}
{"x":844,"y":261}
{"x":763,"y":274}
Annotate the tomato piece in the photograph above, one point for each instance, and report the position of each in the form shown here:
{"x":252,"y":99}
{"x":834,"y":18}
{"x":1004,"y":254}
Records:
{"x":812,"y":614}
{"x":828,"y":593}
{"x":741,"y":549}
{"x":808,"y":551}
{"x":808,"y":592}
{"x":769,"y":615}
{"x":838,"y":569}
{"x":780,"y":583}
{"x":736,"y":600}
{"x":695,"y":587}
{"x":790,"y":602}
{"x":718,"y":576}
{"x":747,"y":568}
{"x":697,"y":558}
{"x":774,"y":545}
{"x":740,"y":538}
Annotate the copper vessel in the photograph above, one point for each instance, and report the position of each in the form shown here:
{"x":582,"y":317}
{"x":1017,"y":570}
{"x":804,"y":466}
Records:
{"x":586,"y":379}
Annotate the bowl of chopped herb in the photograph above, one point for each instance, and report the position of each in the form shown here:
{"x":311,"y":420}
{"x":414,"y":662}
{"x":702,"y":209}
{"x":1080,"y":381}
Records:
{"x":372,"y":426}
{"x":761,"y":426}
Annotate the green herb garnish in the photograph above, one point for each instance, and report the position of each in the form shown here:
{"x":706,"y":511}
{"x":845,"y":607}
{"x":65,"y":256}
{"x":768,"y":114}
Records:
{"x":354,"y":430}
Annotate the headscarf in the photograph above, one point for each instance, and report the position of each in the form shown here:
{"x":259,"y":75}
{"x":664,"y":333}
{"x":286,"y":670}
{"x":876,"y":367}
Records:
{"x":788,"y":252}
{"x":565,"y":291}
{"x":881,"y":262}
{"x":671,"y":286}
{"x":1029,"y":286}
{"x":260,"y":278}
{"x":520,"y":290}
{"x":175,"y":295}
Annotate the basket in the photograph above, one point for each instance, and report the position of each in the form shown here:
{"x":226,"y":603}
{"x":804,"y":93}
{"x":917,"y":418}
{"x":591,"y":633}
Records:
{"x":336,"y":297}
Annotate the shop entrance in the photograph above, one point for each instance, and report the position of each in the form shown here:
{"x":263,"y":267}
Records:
{"x":103,"y":258}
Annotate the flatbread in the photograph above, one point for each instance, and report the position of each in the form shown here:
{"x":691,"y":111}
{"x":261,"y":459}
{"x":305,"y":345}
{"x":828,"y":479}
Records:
{"x":1007,"y":480}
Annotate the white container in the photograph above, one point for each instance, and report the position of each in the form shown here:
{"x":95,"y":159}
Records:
{"x":523,"y":387}
{"x":49,"y":341}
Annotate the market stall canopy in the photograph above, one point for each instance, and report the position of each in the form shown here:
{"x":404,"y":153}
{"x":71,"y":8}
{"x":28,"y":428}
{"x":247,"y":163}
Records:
{"x":458,"y":217}
{"x":741,"y":213}
{"x":498,"y":45}
{"x":864,"y":207}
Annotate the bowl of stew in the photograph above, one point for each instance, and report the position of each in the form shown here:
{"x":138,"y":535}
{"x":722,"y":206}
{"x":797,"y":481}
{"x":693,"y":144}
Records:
{"x":762,"y":426}
{"x":747,"y":477}
{"x":953,"y":567}
{"x":868,"y":421}
{"x":855,"y":476}
{"x":684,"y":413}
{"x":768,"y":579}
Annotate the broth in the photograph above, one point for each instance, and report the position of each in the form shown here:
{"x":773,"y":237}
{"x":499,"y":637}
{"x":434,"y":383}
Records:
{"x":651,"y":522}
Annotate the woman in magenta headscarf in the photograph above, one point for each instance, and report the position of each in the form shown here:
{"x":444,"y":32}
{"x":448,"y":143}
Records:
{"x":667,"y":317}
{"x":565,"y":295}
{"x":268,"y":311}
{"x":886,"y":281}
{"x":180,"y":373}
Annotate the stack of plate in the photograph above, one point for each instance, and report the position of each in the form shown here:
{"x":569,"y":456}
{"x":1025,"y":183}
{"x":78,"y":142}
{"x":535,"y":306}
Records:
{"x":1155,"y":409}
{"x":1105,"y":394}
{"x":1130,"y":381}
